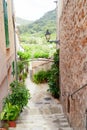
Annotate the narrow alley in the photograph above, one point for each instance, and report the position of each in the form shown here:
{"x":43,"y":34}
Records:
{"x":43,"y":112}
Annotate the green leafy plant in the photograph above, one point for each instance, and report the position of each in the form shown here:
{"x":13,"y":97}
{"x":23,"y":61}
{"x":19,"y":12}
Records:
{"x":22,"y":65}
{"x":53,"y":80}
{"x":41,"y":54}
{"x":10,"y":112}
{"x":22,"y":70}
{"x":19,"y":96}
{"x":25,"y":74}
{"x":16,"y":84}
{"x":41,"y":76}
{"x":23,"y":55}
{"x":44,"y":50}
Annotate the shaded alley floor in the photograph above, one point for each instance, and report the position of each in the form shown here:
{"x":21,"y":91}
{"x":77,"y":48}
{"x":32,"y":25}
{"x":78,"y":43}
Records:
{"x":43,"y":112}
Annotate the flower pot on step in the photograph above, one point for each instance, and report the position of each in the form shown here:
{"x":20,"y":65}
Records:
{"x":12,"y":123}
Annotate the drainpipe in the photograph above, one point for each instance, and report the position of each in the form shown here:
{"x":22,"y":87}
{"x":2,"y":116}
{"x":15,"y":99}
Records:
{"x":86,"y":118}
{"x":15,"y":54}
{"x":16,"y":75}
{"x":56,"y":2}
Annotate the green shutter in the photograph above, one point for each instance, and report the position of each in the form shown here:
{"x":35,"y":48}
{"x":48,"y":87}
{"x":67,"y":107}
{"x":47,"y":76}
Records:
{"x":6,"y":23}
{"x":13,"y":68}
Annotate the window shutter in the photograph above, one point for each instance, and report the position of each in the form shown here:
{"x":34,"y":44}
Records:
{"x":13,"y":68}
{"x":6,"y":23}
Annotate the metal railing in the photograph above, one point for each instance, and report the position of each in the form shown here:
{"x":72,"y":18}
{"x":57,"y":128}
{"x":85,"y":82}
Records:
{"x":70,"y":97}
{"x":66,"y":94}
{"x":76,"y":91}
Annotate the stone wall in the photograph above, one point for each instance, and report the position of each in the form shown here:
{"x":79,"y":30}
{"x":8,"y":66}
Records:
{"x":40,"y":64}
{"x":73,"y":60}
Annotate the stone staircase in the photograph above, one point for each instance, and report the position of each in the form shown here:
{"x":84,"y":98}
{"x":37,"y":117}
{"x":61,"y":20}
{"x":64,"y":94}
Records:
{"x":43,"y":116}
{"x":43,"y":111}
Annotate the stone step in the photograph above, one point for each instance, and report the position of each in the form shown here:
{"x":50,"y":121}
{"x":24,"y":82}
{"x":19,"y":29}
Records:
{"x":34,"y":128}
{"x":39,"y":118}
{"x":68,"y":128}
{"x":43,"y":122}
{"x":42,"y":113}
{"x":40,"y":128}
{"x":37,"y":113}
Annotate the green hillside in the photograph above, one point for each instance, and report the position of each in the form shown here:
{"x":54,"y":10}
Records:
{"x":32,"y":36}
{"x":48,"y":21}
{"x":20,"y":21}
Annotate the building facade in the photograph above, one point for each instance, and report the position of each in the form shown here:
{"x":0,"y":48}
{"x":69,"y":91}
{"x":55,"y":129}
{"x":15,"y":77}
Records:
{"x":7,"y":51}
{"x":73,"y":61}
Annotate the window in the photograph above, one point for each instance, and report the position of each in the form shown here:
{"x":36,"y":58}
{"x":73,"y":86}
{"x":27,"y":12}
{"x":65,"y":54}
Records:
{"x":6,"y":22}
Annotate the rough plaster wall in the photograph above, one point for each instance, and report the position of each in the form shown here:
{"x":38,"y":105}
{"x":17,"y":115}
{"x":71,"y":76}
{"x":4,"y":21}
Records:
{"x":3,"y":91}
{"x":11,"y":27}
{"x":73,"y":58}
{"x":6,"y":55}
{"x":40,"y":65}
{"x":2,"y":46}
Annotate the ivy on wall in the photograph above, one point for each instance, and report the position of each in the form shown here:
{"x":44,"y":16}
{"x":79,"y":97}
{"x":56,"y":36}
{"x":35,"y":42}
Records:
{"x":53,"y":80}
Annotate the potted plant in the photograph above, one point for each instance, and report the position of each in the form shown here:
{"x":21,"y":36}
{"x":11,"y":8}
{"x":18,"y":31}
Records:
{"x":3,"y":125}
{"x":14,"y":102}
{"x":10,"y":113}
{"x":19,"y":96}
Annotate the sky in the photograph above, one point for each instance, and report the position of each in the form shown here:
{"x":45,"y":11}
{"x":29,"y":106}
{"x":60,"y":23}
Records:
{"x":33,"y":9}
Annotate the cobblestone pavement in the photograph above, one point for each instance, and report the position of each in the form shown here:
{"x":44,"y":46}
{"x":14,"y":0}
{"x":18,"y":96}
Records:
{"x":43,"y":111}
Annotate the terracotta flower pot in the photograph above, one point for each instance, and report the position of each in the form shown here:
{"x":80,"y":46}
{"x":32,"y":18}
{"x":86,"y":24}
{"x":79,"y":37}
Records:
{"x":12,"y":123}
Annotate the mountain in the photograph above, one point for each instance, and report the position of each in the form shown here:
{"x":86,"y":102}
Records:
{"x":48,"y":21}
{"x":20,"y":21}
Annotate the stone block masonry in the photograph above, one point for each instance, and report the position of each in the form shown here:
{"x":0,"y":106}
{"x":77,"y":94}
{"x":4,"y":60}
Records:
{"x":40,"y":64}
{"x":73,"y":60}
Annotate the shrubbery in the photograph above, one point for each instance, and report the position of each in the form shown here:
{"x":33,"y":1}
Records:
{"x":41,"y":76}
{"x":39,"y":50}
{"x":22,"y":65}
{"x":53,"y":80}
{"x":41,"y":54}
{"x":19,"y":95}
{"x":52,"y":76}
{"x":23,"y":55}
{"x":15,"y":101}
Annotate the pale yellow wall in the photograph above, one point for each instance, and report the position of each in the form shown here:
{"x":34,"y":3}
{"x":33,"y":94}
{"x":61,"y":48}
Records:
{"x":3,"y":91}
{"x":6,"y":55}
{"x":2,"y":46}
{"x":11,"y":28}
{"x":11,"y":55}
